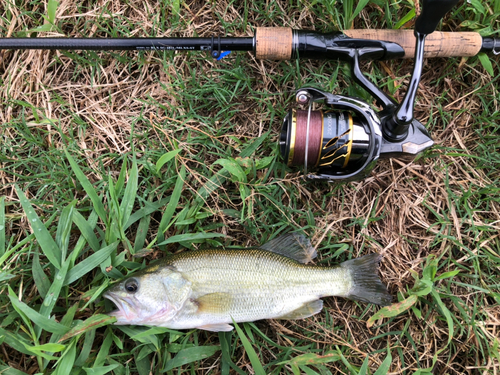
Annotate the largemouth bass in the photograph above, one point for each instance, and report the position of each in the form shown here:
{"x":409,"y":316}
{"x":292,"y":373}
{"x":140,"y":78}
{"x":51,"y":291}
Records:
{"x":208,"y":289}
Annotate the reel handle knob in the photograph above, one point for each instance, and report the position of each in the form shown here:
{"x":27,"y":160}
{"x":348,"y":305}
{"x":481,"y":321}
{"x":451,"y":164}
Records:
{"x":433,"y":12}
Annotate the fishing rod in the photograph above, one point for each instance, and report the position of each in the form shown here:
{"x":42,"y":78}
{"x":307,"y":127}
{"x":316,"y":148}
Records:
{"x":343,"y":141}
{"x":281,"y":43}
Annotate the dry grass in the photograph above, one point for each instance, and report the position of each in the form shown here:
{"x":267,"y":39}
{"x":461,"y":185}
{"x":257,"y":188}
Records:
{"x":103,"y":106}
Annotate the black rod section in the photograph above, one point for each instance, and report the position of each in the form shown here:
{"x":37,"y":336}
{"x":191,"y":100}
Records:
{"x":127,"y":44}
{"x":491,"y":45}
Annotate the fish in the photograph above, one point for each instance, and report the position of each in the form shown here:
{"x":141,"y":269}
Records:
{"x":210,"y":289}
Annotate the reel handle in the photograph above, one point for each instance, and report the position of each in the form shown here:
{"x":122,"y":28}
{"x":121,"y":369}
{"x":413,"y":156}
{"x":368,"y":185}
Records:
{"x":433,"y":12}
{"x":396,"y":126}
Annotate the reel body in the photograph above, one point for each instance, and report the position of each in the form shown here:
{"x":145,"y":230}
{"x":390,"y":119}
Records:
{"x":344,"y":141}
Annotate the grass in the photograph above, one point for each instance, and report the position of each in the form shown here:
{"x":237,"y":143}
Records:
{"x":109,"y":160}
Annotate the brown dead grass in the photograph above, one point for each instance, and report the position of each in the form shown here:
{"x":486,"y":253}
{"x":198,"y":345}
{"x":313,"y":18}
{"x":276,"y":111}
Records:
{"x":395,"y":191}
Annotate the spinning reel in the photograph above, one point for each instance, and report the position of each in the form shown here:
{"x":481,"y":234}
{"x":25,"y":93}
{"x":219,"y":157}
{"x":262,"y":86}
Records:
{"x":344,"y":141}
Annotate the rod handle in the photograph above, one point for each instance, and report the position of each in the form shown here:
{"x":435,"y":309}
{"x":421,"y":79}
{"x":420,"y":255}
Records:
{"x":437,"y":44}
{"x":273,"y":43}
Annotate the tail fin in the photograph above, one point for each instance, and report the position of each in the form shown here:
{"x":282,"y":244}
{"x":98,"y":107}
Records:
{"x":367,"y":286}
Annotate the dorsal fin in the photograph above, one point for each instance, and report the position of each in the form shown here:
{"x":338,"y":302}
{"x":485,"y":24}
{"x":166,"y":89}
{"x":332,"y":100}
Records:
{"x":292,"y":245}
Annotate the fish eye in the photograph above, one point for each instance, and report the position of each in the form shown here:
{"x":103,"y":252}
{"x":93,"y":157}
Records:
{"x":131,"y":286}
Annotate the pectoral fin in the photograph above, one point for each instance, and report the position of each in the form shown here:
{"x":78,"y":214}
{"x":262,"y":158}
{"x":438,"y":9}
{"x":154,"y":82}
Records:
{"x":214,"y":303}
{"x":304,"y":311}
{"x":292,"y":245}
{"x":222,"y":327}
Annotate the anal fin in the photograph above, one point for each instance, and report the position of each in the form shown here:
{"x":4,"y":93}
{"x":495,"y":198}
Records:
{"x":305,"y":311}
{"x":220,"y":327}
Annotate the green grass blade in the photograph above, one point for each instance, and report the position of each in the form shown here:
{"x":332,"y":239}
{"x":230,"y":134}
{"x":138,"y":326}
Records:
{"x":40,"y":353}
{"x":351,"y":369}
{"x":100,"y":370}
{"x":53,"y":293}
{"x":141,"y":233}
{"x":27,"y":321}
{"x":115,"y":230}
{"x":363,"y":370}
{"x":4,"y":276}
{"x":143,"y":365}
{"x":64,"y":229}
{"x":445,"y":312}
{"x":359,"y":8}
{"x":120,"y":182}
{"x":386,"y":364}
{"x":89,"y":189}
{"x":67,"y":319}
{"x":165,"y":158}
{"x":66,"y":362}
{"x":51,"y":10}
{"x":486,"y":63}
{"x":252,"y":147}
{"x":16,"y":248}
{"x":225,"y":339}
{"x":95,"y":293}
{"x":50,"y":347}
{"x":307,"y":371}
{"x":86,"y":348}
{"x":393,"y":310}
{"x":8,"y":370}
{"x":15,"y":341}
{"x":88,"y":264}
{"x":233,"y":168}
{"x":44,"y":323}
{"x":45,"y":240}
{"x":2,"y":226}
{"x":409,"y":16}
{"x":94,"y":322}
{"x":41,"y":280}
{"x":314,"y":359}
{"x":129,"y":196}
{"x":191,"y":237}
{"x":190,"y":355}
{"x":254,"y":358}
{"x":172,"y":204}
{"x":148,"y":209}
{"x":216,"y":181}
{"x":87,"y":228}
{"x":103,"y":353}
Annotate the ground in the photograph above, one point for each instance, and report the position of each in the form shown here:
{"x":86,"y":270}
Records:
{"x":110,"y":160}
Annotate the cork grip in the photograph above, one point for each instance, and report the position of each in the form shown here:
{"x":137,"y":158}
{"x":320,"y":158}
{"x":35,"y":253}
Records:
{"x":437,"y":44}
{"x":273,"y":43}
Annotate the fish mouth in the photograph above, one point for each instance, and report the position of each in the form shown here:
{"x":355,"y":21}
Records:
{"x":123,"y":312}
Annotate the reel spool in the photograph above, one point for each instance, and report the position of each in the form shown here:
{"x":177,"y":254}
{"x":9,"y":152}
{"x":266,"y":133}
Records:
{"x":338,"y":143}
{"x":336,"y":139}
